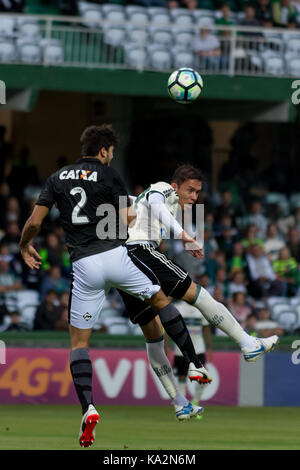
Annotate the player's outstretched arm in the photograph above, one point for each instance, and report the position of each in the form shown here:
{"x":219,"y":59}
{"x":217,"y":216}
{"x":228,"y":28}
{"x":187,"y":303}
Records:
{"x":30,"y":229}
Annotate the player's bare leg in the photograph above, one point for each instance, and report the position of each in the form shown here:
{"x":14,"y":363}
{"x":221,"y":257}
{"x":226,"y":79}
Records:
{"x":81,"y":369}
{"x":160,"y":364}
{"x":219,"y":316}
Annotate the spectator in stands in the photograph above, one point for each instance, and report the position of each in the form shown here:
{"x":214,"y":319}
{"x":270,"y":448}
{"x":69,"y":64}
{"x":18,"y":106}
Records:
{"x":221,"y":282}
{"x":12,"y":238}
{"x":13,"y":6}
{"x":238,"y":283}
{"x":256,"y":217}
{"x":62,"y":324}
{"x":9,"y":284}
{"x":250,"y":20}
{"x":273,"y":242}
{"x":250,"y":326}
{"x":4,"y":194}
{"x":54,"y":281}
{"x":13,"y":210}
{"x":190,"y":4}
{"x":287,"y":272}
{"x":52,"y":252}
{"x":207,"y":48}
{"x":5,"y":151}
{"x":23,"y":173}
{"x":293,"y":243}
{"x":238,"y":260}
{"x":284,"y":14}
{"x":225,"y":19}
{"x":15,"y":266}
{"x":48,"y":312}
{"x":265,"y":326}
{"x":292,"y":220}
{"x":172,"y":4}
{"x":226,"y":207}
{"x":263,"y":281}
{"x":251,"y":238}
{"x":264,"y":12}
{"x":226,"y":241}
{"x":239,"y":308}
{"x":8,"y":281}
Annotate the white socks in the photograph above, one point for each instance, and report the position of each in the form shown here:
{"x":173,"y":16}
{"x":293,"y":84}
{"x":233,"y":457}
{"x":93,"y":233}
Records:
{"x":219,"y":316}
{"x":162,"y":367}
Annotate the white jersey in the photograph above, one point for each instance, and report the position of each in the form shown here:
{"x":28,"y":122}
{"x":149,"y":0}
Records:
{"x":194,"y":321}
{"x":147,"y":227}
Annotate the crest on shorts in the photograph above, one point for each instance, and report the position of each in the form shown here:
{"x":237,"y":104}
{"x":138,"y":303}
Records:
{"x":87,"y":316}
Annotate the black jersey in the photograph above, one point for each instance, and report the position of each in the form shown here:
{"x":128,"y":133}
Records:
{"x":79,"y":190}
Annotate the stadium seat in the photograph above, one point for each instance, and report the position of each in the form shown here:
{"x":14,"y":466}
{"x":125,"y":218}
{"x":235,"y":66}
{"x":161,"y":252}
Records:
{"x":138,"y":17}
{"x":53,"y":52}
{"x":271,"y":301}
{"x":106,"y":8}
{"x":158,"y":19}
{"x":181,"y":17}
{"x":288,"y":320}
{"x":293,"y":45}
{"x":85,"y":6}
{"x":29,"y":51}
{"x":274,"y":66}
{"x":293,"y":67}
{"x":92,"y":18}
{"x":295,"y":202}
{"x":114,"y":35}
{"x":278,"y":199}
{"x":200,"y":12}
{"x":256,"y":61}
{"x":7,"y":25}
{"x":27,"y":304}
{"x":183,"y":59}
{"x":206,"y":22}
{"x":161,"y":36}
{"x":160,"y":59}
{"x":30,"y":29}
{"x":115,"y":16}
{"x":135,"y":330}
{"x":278,"y":308}
{"x":135,"y":8}
{"x":117,"y":326}
{"x":137,"y":35}
{"x":8,"y":51}
{"x":136,"y":57}
{"x":183,"y":39}
{"x":295,"y":301}
{"x":183,"y":20}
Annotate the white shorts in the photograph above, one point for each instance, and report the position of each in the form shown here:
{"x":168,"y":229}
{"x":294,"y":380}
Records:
{"x":94,"y":275}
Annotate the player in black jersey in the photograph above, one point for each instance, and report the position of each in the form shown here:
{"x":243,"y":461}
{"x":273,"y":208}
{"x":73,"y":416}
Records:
{"x":84,"y":192}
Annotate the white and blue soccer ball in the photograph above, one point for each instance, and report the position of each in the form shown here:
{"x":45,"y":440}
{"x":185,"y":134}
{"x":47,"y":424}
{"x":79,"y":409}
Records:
{"x":185,"y":85}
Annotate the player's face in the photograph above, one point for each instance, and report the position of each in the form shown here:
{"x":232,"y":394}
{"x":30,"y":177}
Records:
{"x":107,"y":155}
{"x":188,"y":192}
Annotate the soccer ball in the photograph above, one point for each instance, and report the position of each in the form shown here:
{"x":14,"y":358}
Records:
{"x":185,"y":85}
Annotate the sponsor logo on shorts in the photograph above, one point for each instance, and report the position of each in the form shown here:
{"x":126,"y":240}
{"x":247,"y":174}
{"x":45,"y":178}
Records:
{"x":87,"y":316}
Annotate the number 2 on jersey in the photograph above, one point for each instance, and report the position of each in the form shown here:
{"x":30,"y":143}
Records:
{"x":76,"y":218}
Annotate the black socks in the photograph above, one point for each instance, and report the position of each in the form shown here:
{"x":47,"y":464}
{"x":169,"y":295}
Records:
{"x":81,"y":370}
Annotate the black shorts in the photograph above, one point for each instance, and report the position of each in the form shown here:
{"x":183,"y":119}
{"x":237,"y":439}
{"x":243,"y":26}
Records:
{"x":173,"y":279}
{"x":181,"y":366}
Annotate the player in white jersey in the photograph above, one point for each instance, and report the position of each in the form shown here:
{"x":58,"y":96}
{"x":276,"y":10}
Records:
{"x":200,"y":332}
{"x":155,"y":209}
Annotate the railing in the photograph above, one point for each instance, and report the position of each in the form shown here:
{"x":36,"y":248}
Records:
{"x":77,"y":42}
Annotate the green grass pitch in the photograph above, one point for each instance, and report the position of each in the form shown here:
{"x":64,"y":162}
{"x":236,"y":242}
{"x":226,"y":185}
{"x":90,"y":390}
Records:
{"x":55,"y":427}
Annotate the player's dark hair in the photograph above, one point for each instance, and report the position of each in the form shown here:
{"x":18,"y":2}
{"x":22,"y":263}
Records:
{"x":186,"y":172}
{"x":94,"y":138}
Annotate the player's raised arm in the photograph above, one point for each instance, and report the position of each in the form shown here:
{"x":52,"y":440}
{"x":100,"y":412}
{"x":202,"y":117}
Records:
{"x":30,"y":230}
